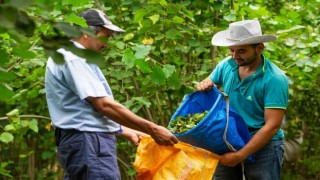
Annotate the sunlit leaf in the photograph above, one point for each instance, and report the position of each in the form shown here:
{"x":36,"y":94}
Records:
{"x":75,"y":19}
{"x":178,"y":20}
{"x":141,"y":51}
{"x":230,"y":17}
{"x":6,"y":137}
{"x":163,"y":2}
{"x":33,"y":124}
{"x":139,"y":14}
{"x":9,"y":127}
{"x":147,"y":41}
{"x":128,"y":37}
{"x":154,"y":18}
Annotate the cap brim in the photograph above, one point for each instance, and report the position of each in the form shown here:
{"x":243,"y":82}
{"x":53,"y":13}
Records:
{"x":220,"y":39}
{"x":114,"y":28}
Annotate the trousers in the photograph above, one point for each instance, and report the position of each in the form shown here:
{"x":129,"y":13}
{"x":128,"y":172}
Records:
{"x":87,"y":155}
{"x":267,"y":165}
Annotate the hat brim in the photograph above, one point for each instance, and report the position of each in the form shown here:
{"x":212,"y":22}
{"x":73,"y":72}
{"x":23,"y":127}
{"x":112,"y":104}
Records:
{"x":114,"y":28}
{"x":221,"y":39}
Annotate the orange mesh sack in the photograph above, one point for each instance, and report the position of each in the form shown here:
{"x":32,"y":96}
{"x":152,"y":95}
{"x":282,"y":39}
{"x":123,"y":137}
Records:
{"x":179,"y":162}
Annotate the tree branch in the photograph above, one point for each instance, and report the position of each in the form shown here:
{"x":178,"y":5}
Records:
{"x":27,"y":116}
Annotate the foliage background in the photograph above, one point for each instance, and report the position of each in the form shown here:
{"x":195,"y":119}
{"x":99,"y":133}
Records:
{"x":165,"y":51}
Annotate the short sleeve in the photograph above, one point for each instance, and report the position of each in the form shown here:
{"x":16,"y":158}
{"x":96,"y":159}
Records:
{"x":217,"y":74}
{"x":83,"y":80}
{"x":277,"y":92}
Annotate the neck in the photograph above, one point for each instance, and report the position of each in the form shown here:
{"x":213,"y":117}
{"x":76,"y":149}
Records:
{"x":81,"y":41}
{"x":248,"y":70}
{"x":252,"y":67}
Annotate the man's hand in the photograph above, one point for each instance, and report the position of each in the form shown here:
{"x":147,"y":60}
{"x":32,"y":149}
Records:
{"x":163,"y":136}
{"x":132,"y":135}
{"x":205,"y":85}
{"x":230,"y":159}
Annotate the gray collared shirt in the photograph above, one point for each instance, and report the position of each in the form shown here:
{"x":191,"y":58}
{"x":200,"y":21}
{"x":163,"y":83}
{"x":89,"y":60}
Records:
{"x":67,"y":87}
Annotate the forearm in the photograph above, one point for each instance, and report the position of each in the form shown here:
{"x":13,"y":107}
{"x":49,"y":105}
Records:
{"x":123,"y":116}
{"x":127,"y":132}
{"x":120,"y":114}
{"x":259,"y":140}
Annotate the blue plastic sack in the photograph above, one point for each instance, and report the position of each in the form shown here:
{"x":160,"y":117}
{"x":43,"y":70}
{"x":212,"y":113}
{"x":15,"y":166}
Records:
{"x":209,"y":132}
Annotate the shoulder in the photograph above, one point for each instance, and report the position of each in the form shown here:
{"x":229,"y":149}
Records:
{"x":227,"y":62}
{"x":273,"y":74}
{"x":69,"y":56}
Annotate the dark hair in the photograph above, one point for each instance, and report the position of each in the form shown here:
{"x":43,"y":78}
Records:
{"x":255,"y":45}
{"x":96,"y":29}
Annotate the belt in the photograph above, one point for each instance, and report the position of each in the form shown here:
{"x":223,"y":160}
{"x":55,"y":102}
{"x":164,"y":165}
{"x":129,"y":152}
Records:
{"x":58,"y":133}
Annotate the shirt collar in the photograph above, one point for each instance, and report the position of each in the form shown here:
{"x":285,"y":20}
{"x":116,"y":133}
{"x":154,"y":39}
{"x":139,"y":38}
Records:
{"x":78,"y":45}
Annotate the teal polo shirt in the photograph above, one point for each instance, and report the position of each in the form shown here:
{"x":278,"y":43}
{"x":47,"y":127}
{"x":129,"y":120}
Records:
{"x":266,"y":88}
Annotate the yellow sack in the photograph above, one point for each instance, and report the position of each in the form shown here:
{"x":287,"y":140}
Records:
{"x":179,"y":162}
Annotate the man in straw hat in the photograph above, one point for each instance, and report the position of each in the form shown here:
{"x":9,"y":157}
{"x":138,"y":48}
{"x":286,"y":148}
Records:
{"x":84,"y":114}
{"x":258,"y":91}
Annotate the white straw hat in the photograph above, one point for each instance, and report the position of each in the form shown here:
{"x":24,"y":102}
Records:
{"x":241,"y":33}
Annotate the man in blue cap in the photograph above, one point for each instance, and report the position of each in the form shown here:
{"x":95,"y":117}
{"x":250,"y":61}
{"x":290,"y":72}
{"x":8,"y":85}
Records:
{"x":84,"y":114}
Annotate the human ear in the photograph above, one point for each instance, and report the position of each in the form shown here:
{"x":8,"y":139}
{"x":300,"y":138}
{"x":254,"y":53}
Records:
{"x":260,"y":47}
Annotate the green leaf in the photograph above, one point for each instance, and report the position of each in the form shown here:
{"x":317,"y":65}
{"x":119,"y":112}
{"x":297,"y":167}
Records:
{"x":128,"y":58}
{"x":21,"y":4}
{"x":139,"y":15}
{"x":69,"y":30}
{"x":120,"y":45}
{"x":168,"y":70}
{"x":33,"y":124}
{"x":143,"y":65}
{"x":5,"y":92}
{"x":141,"y":51}
{"x":163,"y":2}
{"x":178,"y":20}
{"x":7,"y":17}
{"x":56,"y":57}
{"x":6,"y":137}
{"x":77,"y":2}
{"x":128,"y":37}
{"x":154,"y":18}
{"x":230,"y":17}
{"x":24,"y":123}
{"x":9,"y":127}
{"x":75,"y":19}
{"x":158,"y":77}
{"x":143,"y":101}
{"x":217,"y":5}
{"x":24,"y":53}
{"x":6,"y":76}
{"x":4,"y":57}
{"x":90,"y":55}
{"x":174,"y":82}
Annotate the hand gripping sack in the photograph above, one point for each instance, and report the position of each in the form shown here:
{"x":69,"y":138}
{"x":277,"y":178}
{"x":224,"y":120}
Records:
{"x":221,"y":130}
{"x":179,"y":162}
